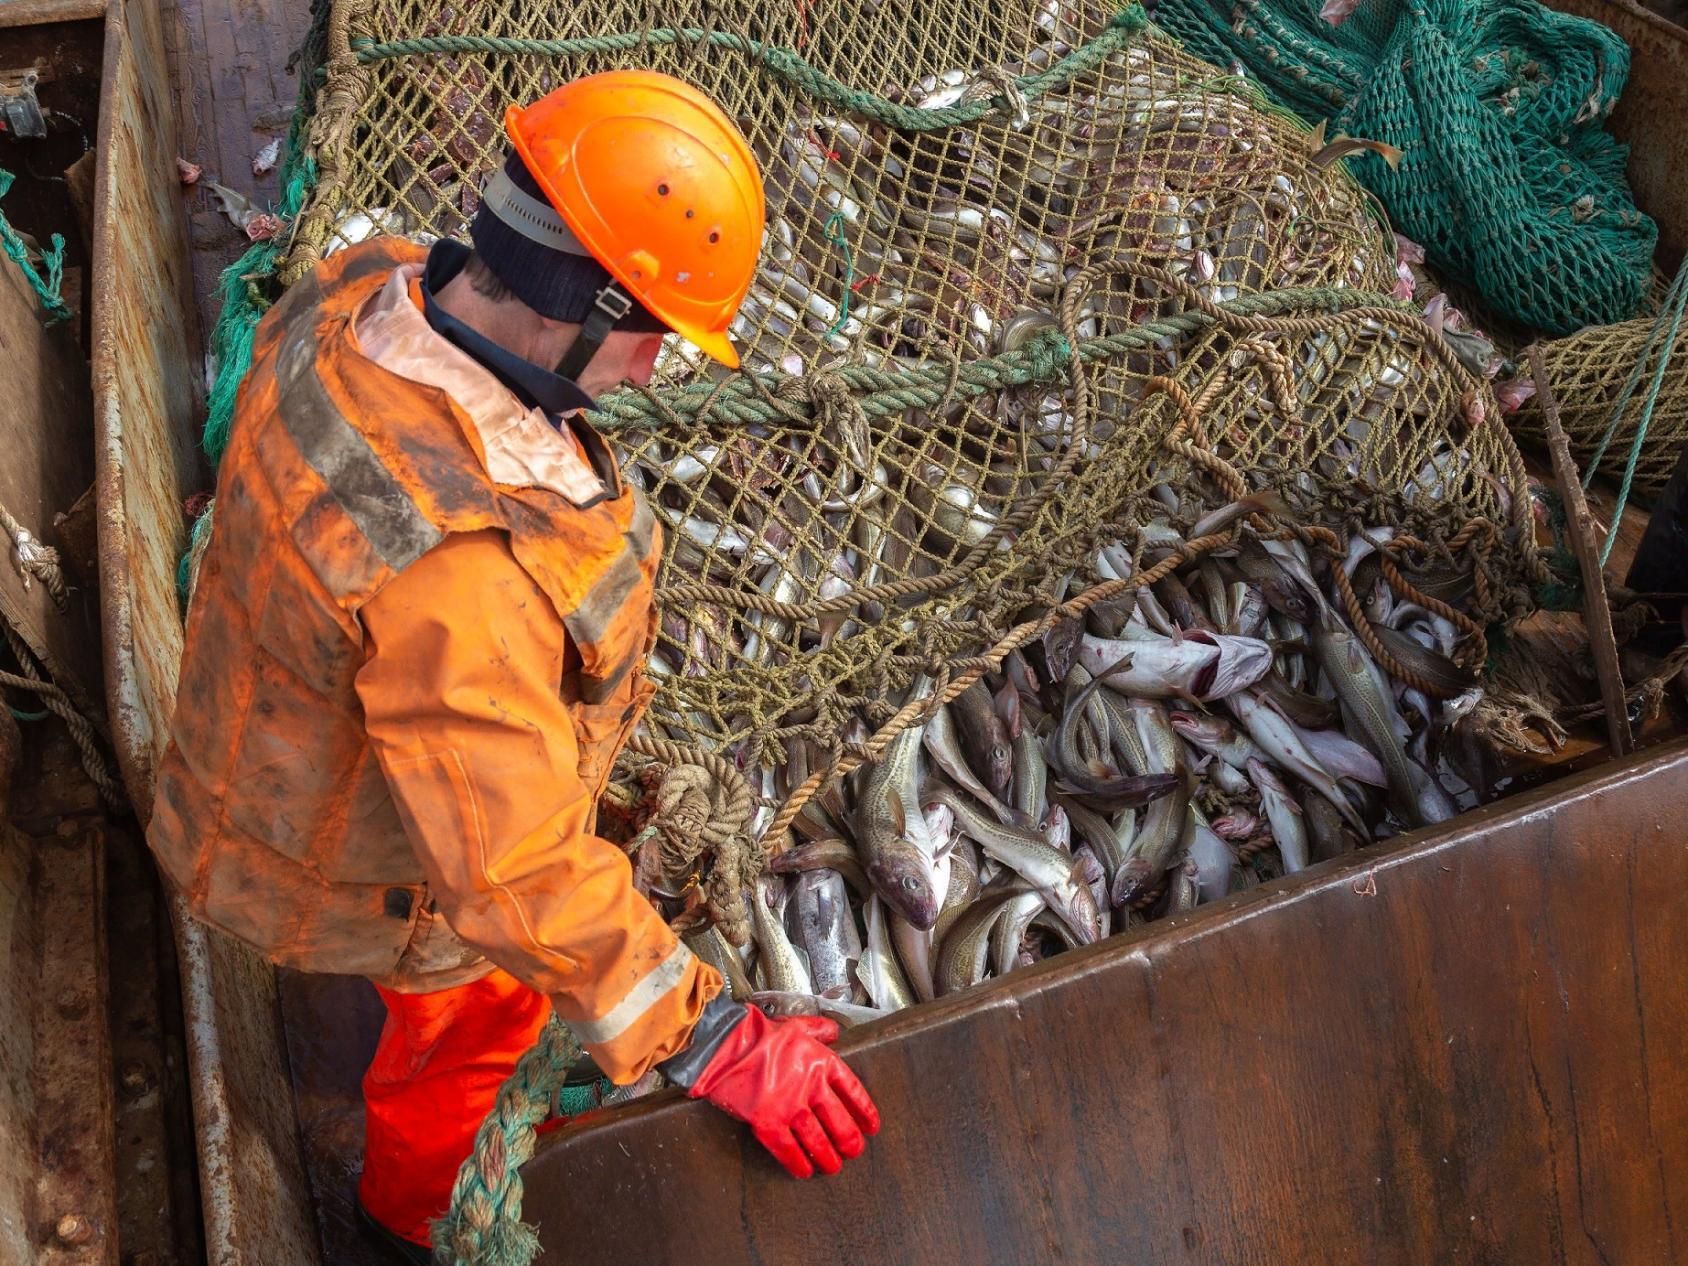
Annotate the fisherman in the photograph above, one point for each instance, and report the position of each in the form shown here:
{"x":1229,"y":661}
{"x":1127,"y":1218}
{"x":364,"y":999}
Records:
{"x":418,"y":643}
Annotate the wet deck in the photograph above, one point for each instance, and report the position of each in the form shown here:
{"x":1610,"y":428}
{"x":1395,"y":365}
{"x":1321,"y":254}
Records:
{"x":234,"y":96}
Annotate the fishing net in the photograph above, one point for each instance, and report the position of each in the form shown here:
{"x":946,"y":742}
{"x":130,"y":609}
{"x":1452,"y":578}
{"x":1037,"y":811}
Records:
{"x":1507,"y":176}
{"x":1615,"y":420}
{"x":1004,"y":262}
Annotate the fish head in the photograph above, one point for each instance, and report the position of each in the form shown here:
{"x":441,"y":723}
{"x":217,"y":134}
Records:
{"x":1241,"y":662}
{"x":1079,"y":908}
{"x":903,"y":878}
{"x":1201,"y":730}
{"x":1000,"y":762}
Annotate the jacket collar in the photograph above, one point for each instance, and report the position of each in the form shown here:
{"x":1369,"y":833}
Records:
{"x":522,"y":445}
{"x":535,"y":387}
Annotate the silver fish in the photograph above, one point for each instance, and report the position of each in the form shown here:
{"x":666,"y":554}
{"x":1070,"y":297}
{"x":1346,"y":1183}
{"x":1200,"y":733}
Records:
{"x":782,"y":1005}
{"x":984,"y":738}
{"x":712,"y":946}
{"x":897,"y":850}
{"x":1277,"y":738}
{"x":779,"y":965}
{"x":1010,"y":930}
{"x":1217,"y":736}
{"x":1213,"y":858}
{"x":1031,"y":777}
{"x":944,"y":746}
{"x":1365,"y":696}
{"x":825,"y":930}
{"x":878,"y":971}
{"x":1047,"y":869}
{"x":1289,"y":826}
{"x":965,"y":955}
{"x":1200,"y":666}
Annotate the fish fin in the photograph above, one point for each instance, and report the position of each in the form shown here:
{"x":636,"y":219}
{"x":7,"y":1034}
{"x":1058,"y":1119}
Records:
{"x":899,"y":817}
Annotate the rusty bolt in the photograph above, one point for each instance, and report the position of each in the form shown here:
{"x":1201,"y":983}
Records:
{"x":134,"y":1079}
{"x":74,"y":1229}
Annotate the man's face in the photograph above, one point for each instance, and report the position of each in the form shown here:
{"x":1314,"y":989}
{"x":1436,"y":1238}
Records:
{"x":624,"y":357}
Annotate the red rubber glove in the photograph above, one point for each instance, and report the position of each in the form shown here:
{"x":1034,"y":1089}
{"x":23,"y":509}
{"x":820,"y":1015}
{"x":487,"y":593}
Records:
{"x":798,"y":1097}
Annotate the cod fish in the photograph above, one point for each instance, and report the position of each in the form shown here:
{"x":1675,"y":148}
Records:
{"x":1052,"y":872}
{"x":896,"y":848}
{"x":984,"y":738}
{"x":1199,"y":665}
{"x":1365,"y":696}
{"x":819,"y":910}
{"x":779,"y":965}
{"x":878,"y":970}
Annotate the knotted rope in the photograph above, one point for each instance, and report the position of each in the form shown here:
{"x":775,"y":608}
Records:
{"x":58,"y":703}
{"x":703,"y":808}
{"x":35,"y":559}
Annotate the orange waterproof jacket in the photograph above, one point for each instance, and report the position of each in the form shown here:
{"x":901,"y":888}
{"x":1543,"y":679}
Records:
{"x":416,"y":645}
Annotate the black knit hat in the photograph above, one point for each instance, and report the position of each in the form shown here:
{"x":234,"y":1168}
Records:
{"x":553,"y":283}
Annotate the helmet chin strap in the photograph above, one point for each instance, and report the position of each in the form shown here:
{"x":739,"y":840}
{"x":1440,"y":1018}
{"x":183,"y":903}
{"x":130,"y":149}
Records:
{"x":608,"y":308}
{"x":539,"y":221}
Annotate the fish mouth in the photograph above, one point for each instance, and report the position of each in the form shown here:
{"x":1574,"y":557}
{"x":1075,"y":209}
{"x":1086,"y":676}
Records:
{"x":907,"y":892}
{"x":1131,"y":881}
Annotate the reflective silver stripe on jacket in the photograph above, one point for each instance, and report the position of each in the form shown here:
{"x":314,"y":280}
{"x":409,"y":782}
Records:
{"x":651,"y":988}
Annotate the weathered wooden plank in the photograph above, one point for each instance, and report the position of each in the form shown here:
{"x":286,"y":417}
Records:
{"x":1462,"y":1047}
{"x":35,"y":12}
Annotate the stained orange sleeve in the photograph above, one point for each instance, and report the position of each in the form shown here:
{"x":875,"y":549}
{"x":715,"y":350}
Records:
{"x":460,"y":696}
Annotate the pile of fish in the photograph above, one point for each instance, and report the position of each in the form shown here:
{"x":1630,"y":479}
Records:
{"x":885,"y":247}
{"x":1175,"y":744}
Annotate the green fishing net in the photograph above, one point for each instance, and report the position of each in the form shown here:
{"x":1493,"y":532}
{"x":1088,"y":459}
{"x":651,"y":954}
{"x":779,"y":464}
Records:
{"x":1506,"y":176}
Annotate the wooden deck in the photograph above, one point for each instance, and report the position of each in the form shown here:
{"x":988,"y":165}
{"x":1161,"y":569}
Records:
{"x":234,"y":96}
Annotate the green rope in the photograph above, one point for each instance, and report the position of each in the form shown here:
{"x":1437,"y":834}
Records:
{"x":484,"y":1225}
{"x":748,"y":398}
{"x":835,"y":235}
{"x":1676,"y":303}
{"x":786,"y":63}
{"x":46,"y":288}
{"x":21,"y":715}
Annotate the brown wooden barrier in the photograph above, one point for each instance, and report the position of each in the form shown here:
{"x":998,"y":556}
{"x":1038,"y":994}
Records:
{"x":1468,"y":1047}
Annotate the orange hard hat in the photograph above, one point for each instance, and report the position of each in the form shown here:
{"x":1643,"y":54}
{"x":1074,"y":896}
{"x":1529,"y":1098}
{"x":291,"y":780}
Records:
{"x":659,"y":186}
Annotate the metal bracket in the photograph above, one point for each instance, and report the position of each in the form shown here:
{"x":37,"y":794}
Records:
{"x":19,"y":110}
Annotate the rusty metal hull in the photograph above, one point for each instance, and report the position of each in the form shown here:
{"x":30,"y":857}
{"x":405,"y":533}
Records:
{"x":1465,"y":1047}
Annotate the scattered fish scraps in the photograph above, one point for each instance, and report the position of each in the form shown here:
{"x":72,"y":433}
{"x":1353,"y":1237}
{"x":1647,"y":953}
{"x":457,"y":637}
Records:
{"x":188,"y":173}
{"x":266,"y":159}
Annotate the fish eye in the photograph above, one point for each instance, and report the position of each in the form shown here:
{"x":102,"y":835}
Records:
{"x":910,"y":882}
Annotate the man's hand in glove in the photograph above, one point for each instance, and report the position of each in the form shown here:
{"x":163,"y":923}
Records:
{"x":782,"y":1079}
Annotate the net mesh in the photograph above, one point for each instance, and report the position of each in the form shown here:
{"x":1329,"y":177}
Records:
{"x":1507,"y":175}
{"x":1590,"y":372}
{"x":996,"y":234}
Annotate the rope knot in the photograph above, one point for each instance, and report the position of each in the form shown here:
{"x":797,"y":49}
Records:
{"x":993,"y":82}
{"x":35,"y":559}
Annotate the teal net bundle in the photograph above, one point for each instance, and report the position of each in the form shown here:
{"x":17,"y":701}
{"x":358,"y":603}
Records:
{"x":1507,"y":176}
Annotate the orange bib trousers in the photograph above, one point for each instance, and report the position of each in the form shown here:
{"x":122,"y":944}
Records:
{"x":436,"y":1071}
